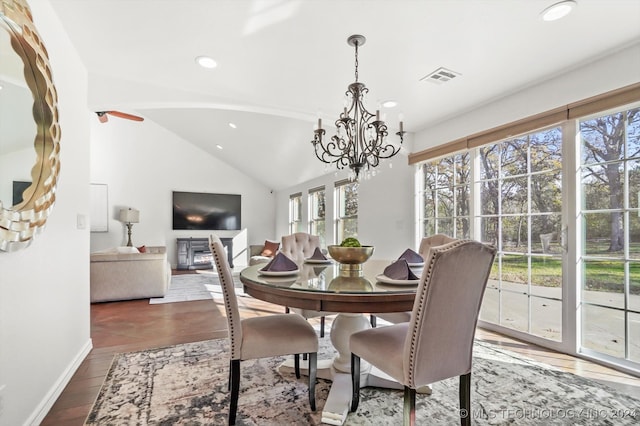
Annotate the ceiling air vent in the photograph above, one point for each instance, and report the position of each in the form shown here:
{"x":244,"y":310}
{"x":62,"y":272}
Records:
{"x":441,"y":75}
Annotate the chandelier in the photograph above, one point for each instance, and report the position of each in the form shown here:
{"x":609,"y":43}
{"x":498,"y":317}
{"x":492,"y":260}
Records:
{"x":360,"y":141}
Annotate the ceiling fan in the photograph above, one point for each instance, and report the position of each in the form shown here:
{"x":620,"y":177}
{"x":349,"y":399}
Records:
{"x":103,"y":116}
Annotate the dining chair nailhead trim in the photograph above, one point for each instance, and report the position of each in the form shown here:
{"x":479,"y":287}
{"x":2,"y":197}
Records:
{"x":426,"y":277}
{"x":230,"y":320}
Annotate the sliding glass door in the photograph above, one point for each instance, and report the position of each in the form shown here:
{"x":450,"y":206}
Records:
{"x":610,"y":219}
{"x":562,"y":205}
{"x":520,"y":186}
{"x":508,"y":194}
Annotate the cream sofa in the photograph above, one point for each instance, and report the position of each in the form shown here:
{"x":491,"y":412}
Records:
{"x":122,"y":274}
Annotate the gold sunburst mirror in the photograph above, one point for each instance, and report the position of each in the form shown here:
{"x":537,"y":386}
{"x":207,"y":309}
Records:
{"x":29,"y":129}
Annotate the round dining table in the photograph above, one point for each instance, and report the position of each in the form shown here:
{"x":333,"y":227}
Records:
{"x":325,"y":287}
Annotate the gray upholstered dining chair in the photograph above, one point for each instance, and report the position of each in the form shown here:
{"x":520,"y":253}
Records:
{"x":431,"y":241}
{"x":298,"y":247}
{"x":425,"y":244}
{"x":261,"y":337}
{"x":437,"y":342}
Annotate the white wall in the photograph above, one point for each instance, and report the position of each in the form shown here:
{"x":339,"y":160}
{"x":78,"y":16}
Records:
{"x":44,"y":289}
{"x":142,"y":163}
{"x":620,"y":69}
{"x":385,"y":208}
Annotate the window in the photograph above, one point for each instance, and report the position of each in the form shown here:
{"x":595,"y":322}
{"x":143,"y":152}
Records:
{"x":295,"y":213}
{"x":562,"y":204}
{"x":317,"y":213}
{"x":513,"y":194}
{"x":610,"y":219}
{"x":445,"y":200}
{"x":519,"y":182}
{"x":346,"y":196}
{"x":517,"y":185}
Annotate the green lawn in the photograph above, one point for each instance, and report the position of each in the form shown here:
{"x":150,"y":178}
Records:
{"x":601,"y":275}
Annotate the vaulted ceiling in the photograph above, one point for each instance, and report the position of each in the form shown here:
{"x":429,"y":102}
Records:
{"x":281,"y":63}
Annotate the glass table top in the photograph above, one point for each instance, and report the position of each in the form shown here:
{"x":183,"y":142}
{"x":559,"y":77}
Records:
{"x":329,"y":278}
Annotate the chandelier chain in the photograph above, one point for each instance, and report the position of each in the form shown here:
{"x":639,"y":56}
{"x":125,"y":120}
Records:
{"x":356,"y":61}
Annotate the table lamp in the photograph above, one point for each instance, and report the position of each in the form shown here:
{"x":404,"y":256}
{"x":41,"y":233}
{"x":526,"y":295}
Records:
{"x":129,"y":217}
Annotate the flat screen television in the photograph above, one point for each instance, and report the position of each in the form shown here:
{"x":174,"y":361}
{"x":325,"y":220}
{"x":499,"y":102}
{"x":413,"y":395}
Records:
{"x":206,"y":211}
{"x":18,"y":188}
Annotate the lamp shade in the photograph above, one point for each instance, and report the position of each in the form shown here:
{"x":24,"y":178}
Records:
{"x":129,"y":215}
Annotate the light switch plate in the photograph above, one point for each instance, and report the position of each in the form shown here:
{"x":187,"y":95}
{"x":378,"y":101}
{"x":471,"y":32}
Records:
{"x":81,"y":221}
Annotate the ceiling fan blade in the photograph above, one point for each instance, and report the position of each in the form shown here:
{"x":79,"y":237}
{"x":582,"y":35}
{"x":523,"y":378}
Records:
{"x":125,"y":115}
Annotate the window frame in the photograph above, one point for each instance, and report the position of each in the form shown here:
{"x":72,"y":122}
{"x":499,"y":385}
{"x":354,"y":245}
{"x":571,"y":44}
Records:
{"x":572,"y":234}
{"x":314,"y":219}
{"x":295,"y":212}
{"x":340,"y":206}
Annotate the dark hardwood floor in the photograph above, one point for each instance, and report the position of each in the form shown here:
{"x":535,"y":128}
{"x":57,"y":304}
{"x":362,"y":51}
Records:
{"x":118,"y":327}
{"x":135,"y":325}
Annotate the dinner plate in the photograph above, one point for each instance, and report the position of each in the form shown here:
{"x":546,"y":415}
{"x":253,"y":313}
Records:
{"x":277,"y":273}
{"x":323,"y":261}
{"x":385,"y":279}
{"x":415,"y":265}
{"x":284,"y":281}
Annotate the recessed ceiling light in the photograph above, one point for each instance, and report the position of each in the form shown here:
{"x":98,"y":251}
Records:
{"x":558,"y":10}
{"x":219,"y":146}
{"x":206,"y":62}
{"x":390,"y":104}
{"x":233,"y":126}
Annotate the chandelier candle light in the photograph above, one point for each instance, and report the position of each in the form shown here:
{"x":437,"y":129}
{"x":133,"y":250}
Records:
{"x":359,"y":142}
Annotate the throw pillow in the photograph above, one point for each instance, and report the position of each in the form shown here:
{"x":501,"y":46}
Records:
{"x":142,"y":249}
{"x":270,"y":248}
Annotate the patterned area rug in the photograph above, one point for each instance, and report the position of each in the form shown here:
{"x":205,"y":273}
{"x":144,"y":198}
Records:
{"x":187,"y":384}
{"x":199,"y":286}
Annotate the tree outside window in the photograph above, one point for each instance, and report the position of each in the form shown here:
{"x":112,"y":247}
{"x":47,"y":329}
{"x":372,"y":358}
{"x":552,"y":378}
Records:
{"x":445,"y":200}
{"x":610,"y":174}
{"x":513,"y":195}
{"x":317,"y":213}
{"x":295,"y":213}
{"x":346,"y":210}
{"x":516,"y":185}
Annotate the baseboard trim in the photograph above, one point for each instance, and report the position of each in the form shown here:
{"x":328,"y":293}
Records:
{"x":47,"y":402}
